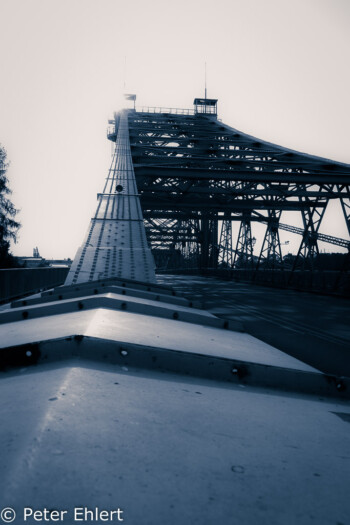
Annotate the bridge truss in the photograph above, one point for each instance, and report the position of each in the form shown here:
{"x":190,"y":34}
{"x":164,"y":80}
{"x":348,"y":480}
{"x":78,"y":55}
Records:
{"x":196,"y":175}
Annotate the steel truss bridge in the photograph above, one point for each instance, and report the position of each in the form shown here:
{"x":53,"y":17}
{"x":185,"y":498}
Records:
{"x":196,"y":175}
{"x":117,"y":381}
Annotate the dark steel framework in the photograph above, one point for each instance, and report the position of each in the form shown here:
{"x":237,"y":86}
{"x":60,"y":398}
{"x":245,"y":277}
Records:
{"x":195,"y":175}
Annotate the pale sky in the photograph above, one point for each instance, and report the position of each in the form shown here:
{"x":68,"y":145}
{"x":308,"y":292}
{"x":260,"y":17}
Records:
{"x":280,"y":69}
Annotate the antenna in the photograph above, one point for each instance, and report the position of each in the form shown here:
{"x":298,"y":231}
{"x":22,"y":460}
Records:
{"x":205,"y":80}
{"x":124,"y":72}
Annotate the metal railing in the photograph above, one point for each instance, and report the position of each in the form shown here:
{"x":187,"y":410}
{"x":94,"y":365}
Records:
{"x":155,"y":109}
{"x":158,"y":109}
{"x":18,"y":282}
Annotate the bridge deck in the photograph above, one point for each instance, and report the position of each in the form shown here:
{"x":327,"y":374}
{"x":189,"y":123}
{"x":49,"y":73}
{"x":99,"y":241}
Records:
{"x":311,"y":327}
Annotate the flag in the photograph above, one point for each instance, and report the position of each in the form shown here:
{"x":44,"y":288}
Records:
{"x":129,"y":96}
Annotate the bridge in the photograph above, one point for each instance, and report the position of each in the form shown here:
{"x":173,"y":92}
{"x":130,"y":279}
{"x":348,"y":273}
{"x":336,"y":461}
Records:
{"x":125,"y":395}
{"x":196,"y":175}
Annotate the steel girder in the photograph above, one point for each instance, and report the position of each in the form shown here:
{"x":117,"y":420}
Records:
{"x":225,"y":248}
{"x":249,"y":174}
{"x":308,"y":249}
{"x":271,"y":253}
{"x":193,"y":169}
{"x":344,"y":191}
{"x":345,"y":203}
{"x":245,"y":244}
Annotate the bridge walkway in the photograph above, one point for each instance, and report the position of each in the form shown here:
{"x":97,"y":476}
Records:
{"x":313,"y":328}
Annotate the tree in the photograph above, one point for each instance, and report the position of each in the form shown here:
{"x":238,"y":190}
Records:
{"x":8,"y":225}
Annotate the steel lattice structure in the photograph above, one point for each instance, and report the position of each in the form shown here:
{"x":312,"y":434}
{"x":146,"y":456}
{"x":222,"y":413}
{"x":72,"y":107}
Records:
{"x":195,"y":175}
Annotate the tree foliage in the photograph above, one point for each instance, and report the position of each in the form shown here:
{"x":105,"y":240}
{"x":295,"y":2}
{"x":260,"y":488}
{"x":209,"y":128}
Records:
{"x":8,"y":225}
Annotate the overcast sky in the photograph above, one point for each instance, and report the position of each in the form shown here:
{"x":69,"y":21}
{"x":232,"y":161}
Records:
{"x":280,"y":69}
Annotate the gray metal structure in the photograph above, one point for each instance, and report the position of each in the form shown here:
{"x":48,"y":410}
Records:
{"x":122,"y":401}
{"x":196,"y":175}
{"x":116,"y":244}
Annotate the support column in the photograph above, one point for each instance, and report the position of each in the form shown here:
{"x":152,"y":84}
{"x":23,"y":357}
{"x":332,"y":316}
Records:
{"x":341,"y":281}
{"x":225,"y":245}
{"x":243,"y":257}
{"x":345,"y":204}
{"x":308,"y":249}
{"x":271,"y":254}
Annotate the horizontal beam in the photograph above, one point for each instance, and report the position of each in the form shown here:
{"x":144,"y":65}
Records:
{"x":240,"y":175}
{"x":158,"y":203}
{"x":217,"y":215}
{"x":231,"y":155}
{"x":202,"y":142}
{"x":230,"y":193}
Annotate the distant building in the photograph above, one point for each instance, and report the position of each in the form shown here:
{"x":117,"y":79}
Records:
{"x":39,"y":262}
{"x":59,"y":263}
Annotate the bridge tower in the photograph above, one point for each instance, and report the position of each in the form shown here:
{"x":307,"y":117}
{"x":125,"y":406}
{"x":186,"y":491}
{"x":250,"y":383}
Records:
{"x":115,"y":244}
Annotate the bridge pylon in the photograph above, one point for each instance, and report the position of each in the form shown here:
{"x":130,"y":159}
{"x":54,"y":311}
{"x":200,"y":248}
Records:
{"x":115,"y":244}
